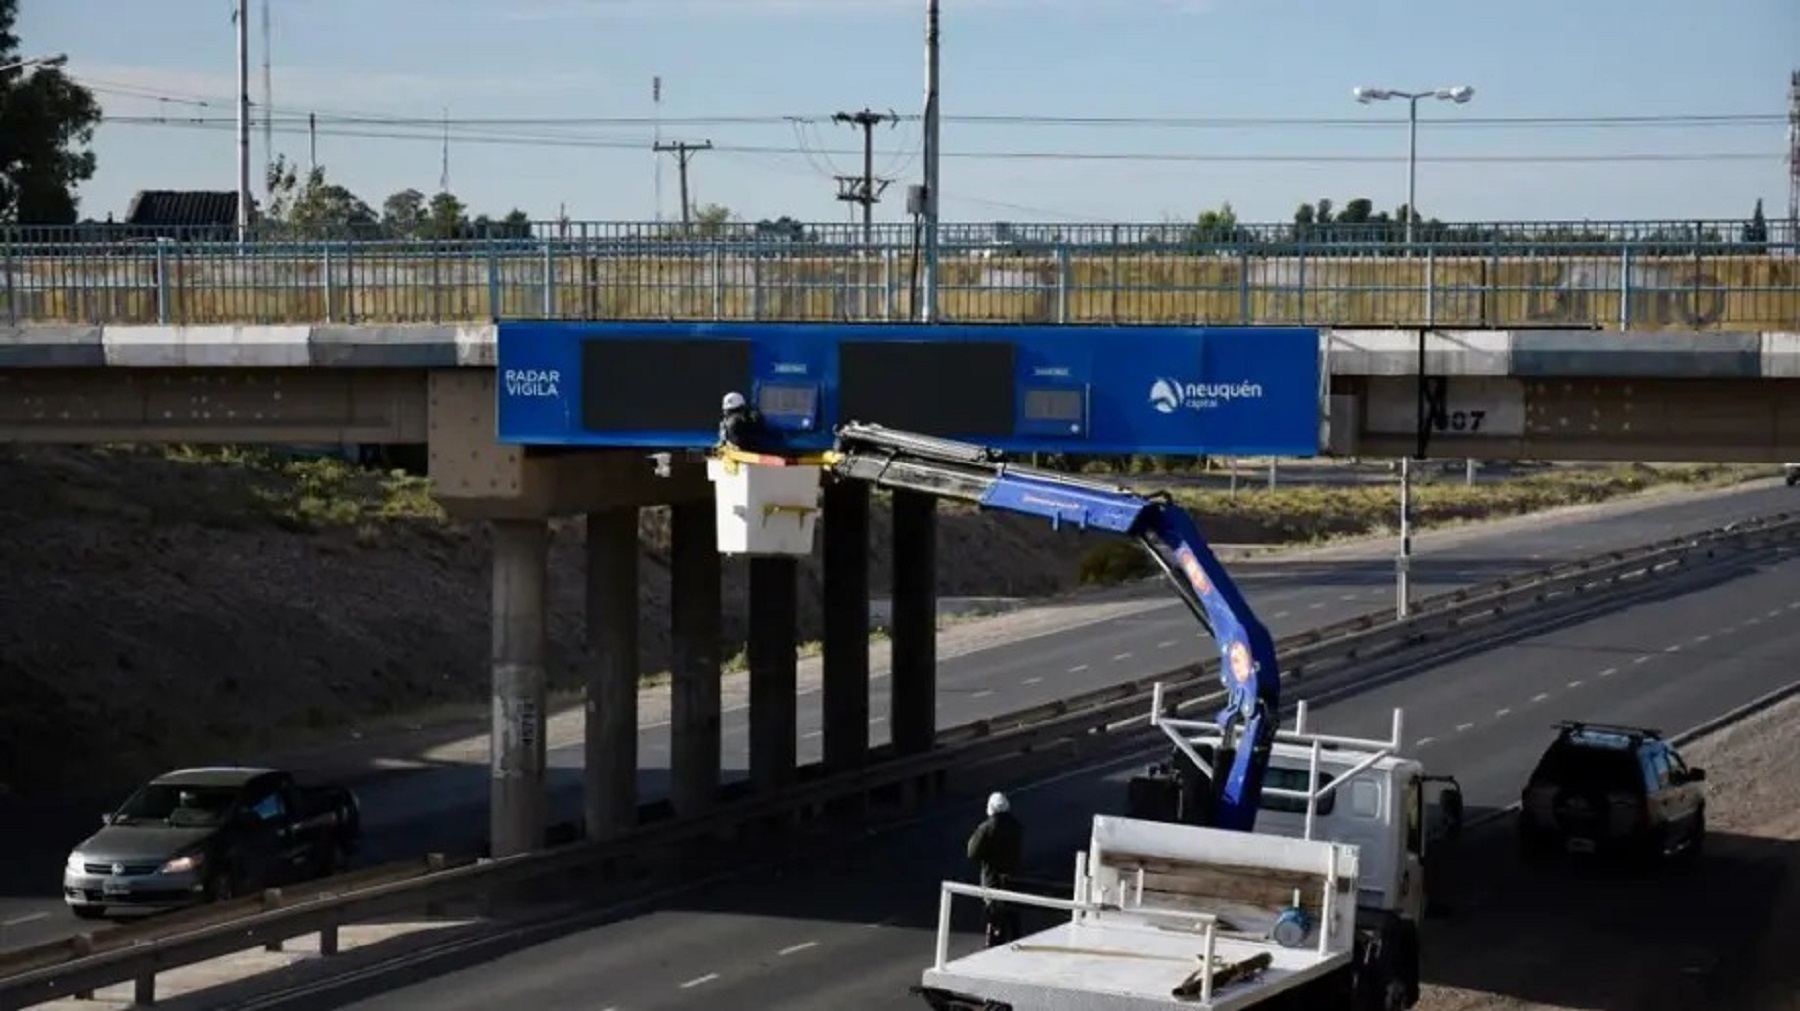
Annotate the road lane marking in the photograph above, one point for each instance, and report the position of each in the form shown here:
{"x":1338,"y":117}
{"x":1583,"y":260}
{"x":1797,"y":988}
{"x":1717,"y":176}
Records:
{"x":1698,"y":639}
{"x":1501,"y":714}
{"x":1540,"y":696}
{"x":1347,"y":597}
{"x":1421,"y":742}
{"x":1281,"y":614}
{"x":810,"y":734}
{"x":1121,"y":657}
{"x":877,"y":719}
{"x":802,"y":946}
{"x":1575,"y":684}
{"x":1166,"y":644}
{"x":1460,"y":727}
{"x":1319,"y":606}
{"x":982,"y":694}
{"x":697,"y":980}
{"x":1641,"y":659}
{"x":20,"y":921}
{"x":1032,"y":681}
{"x":1078,"y":668}
{"x":1672,"y":649}
{"x":1609,"y":672}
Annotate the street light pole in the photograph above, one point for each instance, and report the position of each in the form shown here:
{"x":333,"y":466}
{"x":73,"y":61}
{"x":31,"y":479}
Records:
{"x":41,"y":61}
{"x":1460,"y":94}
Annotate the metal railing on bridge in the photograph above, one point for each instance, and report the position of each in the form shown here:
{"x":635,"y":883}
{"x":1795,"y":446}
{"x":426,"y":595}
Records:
{"x":1628,"y":275}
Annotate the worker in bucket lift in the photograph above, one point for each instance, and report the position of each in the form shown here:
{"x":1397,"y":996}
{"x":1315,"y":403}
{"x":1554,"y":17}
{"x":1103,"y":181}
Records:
{"x":741,"y":426}
{"x":998,"y":846}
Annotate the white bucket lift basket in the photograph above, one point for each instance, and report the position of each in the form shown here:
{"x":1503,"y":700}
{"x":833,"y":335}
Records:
{"x":764,"y":505}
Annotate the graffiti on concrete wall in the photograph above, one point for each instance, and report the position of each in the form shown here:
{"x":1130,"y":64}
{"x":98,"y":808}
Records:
{"x":1654,"y":294}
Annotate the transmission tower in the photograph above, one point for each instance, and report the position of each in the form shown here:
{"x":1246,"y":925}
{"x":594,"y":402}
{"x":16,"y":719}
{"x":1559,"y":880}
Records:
{"x":865,"y":189}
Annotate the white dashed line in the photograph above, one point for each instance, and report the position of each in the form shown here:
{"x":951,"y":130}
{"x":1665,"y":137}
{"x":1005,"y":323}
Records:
{"x":802,"y":946}
{"x":1121,"y":657}
{"x":1031,"y":681}
{"x":1609,"y":672}
{"x":1641,"y":659}
{"x":1346,"y":596}
{"x":1282,"y":614}
{"x":1795,"y":606}
{"x":1501,"y":714}
{"x":1078,"y":668}
{"x":1421,"y":742}
{"x":1320,"y":606}
{"x":1540,"y":696}
{"x":1776,"y":613}
{"x":20,"y":921}
{"x":811,"y":734}
{"x":1575,"y":684}
{"x":1672,"y":649}
{"x":982,"y":694}
{"x":1460,"y":727}
{"x":1166,"y":644}
{"x":1698,"y":639}
{"x":696,"y":981}
{"x":1752,"y":621}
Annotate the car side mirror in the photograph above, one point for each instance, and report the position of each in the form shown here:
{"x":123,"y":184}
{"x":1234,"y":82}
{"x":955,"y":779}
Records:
{"x":106,"y":818}
{"x":1696,"y":775}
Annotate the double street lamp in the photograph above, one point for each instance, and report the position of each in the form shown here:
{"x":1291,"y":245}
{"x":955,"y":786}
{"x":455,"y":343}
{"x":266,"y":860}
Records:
{"x":1460,"y":94}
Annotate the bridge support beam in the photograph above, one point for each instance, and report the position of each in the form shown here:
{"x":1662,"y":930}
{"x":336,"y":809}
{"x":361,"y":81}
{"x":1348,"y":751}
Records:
{"x":774,"y":672}
{"x":610,"y":795}
{"x":913,"y":681}
{"x":695,"y":719}
{"x":845,"y":701}
{"x":519,"y":801}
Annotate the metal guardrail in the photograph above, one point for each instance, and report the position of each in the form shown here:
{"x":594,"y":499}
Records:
{"x":1635,"y":275}
{"x":138,"y":953}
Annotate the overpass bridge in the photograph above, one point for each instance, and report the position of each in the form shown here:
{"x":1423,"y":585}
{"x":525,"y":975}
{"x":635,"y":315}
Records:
{"x":1545,"y":394}
{"x":1637,"y":342}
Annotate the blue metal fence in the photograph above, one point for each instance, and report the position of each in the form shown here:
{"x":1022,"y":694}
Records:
{"x":1640,"y":275}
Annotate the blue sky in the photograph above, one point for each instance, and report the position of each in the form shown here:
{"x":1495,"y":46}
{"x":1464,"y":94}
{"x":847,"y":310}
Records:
{"x":500,"y":60}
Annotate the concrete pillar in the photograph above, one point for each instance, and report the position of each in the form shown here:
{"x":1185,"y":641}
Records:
{"x":517,"y":806}
{"x":913,"y":682}
{"x":845,"y":700}
{"x":774,"y":673}
{"x":610,"y":783}
{"x":694,"y":723}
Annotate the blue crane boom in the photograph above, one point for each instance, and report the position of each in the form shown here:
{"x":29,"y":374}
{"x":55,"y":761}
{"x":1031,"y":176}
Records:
{"x":1248,"y":667}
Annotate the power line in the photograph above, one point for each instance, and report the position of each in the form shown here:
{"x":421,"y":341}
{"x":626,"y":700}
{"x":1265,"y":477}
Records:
{"x":865,"y":189}
{"x":598,"y":143}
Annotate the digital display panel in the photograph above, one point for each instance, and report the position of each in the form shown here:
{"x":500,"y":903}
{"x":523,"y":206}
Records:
{"x":949,"y":388}
{"x":787,"y":400}
{"x":1054,"y":405}
{"x":638,"y":385}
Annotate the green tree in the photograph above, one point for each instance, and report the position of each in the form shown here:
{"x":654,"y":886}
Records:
{"x":46,"y":124}
{"x":711,"y":219}
{"x":446,"y":217}
{"x":311,"y":203}
{"x":403,"y":214}
{"x":1756,"y":230}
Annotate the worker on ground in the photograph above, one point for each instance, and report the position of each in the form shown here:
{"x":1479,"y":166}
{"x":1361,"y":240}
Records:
{"x":741,"y":426}
{"x":998,"y":846}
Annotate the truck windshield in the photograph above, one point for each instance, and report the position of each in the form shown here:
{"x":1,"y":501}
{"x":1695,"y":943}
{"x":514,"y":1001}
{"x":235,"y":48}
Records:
{"x":180,"y":806}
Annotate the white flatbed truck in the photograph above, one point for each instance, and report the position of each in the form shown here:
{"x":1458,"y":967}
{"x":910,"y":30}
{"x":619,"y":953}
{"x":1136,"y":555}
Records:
{"x":1319,"y":908}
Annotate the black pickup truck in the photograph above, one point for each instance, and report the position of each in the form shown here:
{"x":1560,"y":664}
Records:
{"x":200,"y":835}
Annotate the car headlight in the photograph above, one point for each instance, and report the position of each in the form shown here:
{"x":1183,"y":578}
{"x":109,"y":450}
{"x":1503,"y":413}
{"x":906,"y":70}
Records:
{"x":76,"y":864}
{"x":181,"y":865}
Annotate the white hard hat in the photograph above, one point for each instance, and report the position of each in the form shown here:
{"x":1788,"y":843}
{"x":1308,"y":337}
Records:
{"x":733,"y":401}
{"x":997,"y":803}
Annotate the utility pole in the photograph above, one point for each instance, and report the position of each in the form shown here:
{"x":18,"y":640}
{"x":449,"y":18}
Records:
{"x":933,"y":134}
{"x":866,"y":189}
{"x":683,"y":152}
{"x":242,"y":17}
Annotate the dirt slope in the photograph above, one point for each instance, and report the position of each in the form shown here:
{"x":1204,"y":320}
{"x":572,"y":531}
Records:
{"x":163,"y":607}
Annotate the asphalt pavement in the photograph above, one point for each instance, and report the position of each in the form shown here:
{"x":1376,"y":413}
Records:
{"x":445,"y":808}
{"x":855,"y":930}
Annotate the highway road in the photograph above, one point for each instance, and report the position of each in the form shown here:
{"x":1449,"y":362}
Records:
{"x":445,"y":808}
{"x":855,"y":930}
